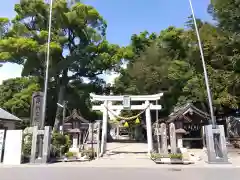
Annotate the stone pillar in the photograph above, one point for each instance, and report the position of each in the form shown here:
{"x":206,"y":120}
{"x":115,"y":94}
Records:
{"x":117,"y":133}
{"x":164,"y":147}
{"x":216,"y":147}
{"x":149,"y":127}
{"x":98,"y":138}
{"x":104,"y":129}
{"x":179,"y":140}
{"x":173,"y":138}
{"x":80,"y":139}
{"x":75,"y":141}
{"x":203,"y":137}
{"x":90,"y":133}
{"x":34,"y":144}
{"x":46,"y":144}
{"x":228,"y":126}
{"x":223,"y":143}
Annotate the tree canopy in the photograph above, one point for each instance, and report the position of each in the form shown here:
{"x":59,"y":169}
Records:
{"x":78,"y":44}
{"x":167,"y":62}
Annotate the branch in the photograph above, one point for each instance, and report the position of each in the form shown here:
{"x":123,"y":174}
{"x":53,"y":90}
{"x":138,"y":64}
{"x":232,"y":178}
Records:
{"x":85,"y":74}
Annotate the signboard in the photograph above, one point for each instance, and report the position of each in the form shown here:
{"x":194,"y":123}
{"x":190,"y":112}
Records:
{"x":13,"y":147}
{"x":126,"y":102}
{"x":36,"y":109}
{"x":2,"y":131}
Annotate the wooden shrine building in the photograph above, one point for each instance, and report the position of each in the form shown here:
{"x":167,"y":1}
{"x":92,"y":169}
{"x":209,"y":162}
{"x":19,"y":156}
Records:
{"x":77,"y":127}
{"x":189,"y":122}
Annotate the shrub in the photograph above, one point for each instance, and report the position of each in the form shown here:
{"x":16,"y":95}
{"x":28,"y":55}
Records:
{"x":70,"y":154}
{"x":176,"y":156}
{"x":27,"y":145}
{"x":172,"y":156}
{"x":60,"y":144}
{"x":89,"y":153}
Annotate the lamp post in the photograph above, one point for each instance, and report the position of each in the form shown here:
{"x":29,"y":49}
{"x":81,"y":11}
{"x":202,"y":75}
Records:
{"x":64,"y":106}
{"x":213,"y":121}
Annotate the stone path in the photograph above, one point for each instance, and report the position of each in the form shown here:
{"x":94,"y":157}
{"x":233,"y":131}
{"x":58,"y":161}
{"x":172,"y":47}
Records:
{"x":125,"y":155}
{"x":126,"y":147}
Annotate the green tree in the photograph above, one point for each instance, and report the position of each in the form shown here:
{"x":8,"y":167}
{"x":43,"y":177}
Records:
{"x":16,"y":95}
{"x":172,"y":64}
{"x":226,"y":13}
{"x":78,"y":46}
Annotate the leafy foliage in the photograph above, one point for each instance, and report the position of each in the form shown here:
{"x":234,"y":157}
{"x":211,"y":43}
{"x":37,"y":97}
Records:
{"x":16,"y":95}
{"x":171,"y":64}
{"x":60,"y":143}
{"x":78,"y":46}
{"x":167,"y":62}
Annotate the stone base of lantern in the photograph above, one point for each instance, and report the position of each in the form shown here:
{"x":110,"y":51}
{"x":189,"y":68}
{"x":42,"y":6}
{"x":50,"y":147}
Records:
{"x":74,"y":150}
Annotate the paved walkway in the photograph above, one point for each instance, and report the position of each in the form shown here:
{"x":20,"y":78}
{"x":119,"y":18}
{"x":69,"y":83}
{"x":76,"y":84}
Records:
{"x":117,"y":147}
{"x":120,"y":155}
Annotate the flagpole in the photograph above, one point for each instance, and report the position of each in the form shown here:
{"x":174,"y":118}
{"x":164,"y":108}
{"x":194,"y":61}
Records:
{"x":43,"y":113}
{"x":213,"y":121}
{"x":47,"y":66}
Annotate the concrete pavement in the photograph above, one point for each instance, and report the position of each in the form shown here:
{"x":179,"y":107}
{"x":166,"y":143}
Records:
{"x":122,"y":166}
{"x":76,"y":173}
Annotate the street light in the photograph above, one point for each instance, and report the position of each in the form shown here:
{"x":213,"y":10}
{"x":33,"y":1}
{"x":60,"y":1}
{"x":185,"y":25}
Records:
{"x":64,"y":114}
{"x":213,"y":121}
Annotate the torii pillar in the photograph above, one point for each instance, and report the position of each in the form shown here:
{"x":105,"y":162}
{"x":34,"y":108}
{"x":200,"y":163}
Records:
{"x":147,"y":106}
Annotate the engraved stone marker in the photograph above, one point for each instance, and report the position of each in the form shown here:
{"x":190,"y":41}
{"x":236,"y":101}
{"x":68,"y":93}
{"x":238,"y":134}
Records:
{"x":36,"y":109}
{"x":173,"y":142}
{"x":164,"y":149}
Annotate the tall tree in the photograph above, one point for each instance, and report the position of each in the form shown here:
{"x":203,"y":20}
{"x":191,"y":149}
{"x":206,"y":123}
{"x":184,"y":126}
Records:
{"x":172,"y":65}
{"x":78,"y":46}
{"x":226,"y":13}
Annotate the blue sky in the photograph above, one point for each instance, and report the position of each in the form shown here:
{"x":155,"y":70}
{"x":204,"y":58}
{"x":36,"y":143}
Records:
{"x":124,"y":18}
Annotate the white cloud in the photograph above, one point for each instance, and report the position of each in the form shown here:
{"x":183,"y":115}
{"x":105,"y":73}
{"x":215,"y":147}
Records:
{"x":10,"y":70}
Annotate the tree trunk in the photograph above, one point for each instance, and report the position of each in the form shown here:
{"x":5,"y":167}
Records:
{"x":205,"y":108}
{"x":61,"y":94}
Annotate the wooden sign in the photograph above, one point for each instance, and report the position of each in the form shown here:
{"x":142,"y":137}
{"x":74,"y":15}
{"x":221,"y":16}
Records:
{"x":36,"y":109}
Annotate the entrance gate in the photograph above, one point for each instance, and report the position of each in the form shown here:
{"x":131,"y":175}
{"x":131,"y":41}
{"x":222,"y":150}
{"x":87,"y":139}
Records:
{"x":105,"y":107}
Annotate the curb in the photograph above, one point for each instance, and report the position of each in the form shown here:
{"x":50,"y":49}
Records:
{"x":172,"y":162}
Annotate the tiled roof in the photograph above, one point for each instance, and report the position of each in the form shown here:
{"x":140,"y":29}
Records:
{"x":76,"y":115}
{"x":183,"y":109}
{"x":4,"y":115}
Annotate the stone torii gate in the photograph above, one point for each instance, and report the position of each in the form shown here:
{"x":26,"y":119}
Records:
{"x":126,"y":99}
